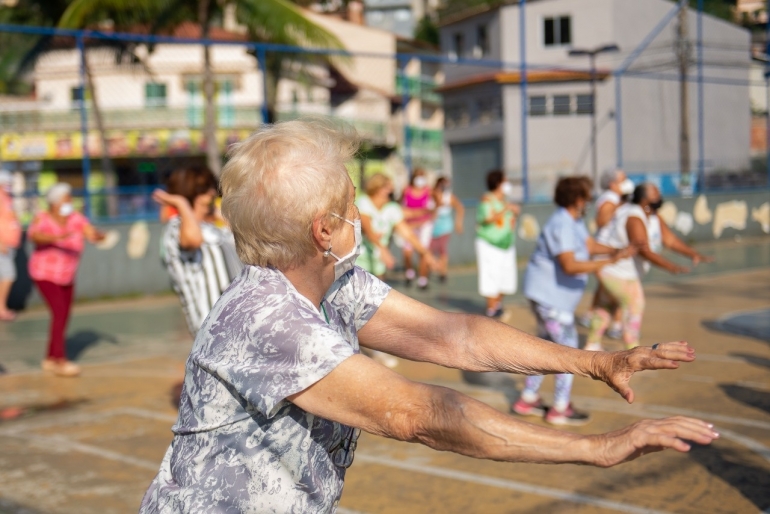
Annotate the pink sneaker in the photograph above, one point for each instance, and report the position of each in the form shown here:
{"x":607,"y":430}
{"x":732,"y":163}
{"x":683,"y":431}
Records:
{"x":523,"y":408}
{"x":569,"y":417}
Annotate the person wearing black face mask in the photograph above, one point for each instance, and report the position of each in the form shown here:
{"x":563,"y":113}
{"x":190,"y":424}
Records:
{"x":636,"y":224}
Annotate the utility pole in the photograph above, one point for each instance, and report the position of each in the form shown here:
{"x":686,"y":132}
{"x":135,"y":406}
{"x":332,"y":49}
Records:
{"x":683,"y":48}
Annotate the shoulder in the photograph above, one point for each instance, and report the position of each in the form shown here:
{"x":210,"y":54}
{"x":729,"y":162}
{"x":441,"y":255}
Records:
{"x":610,"y":197}
{"x":79,"y":219}
{"x":364,"y":204}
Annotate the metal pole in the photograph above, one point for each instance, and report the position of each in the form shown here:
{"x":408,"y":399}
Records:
{"x":261,"y":57}
{"x":683,"y":48}
{"x":405,"y":118}
{"x":524,"y":101}
{"x":594,"y":163}
{"x":701,"y":131}
{"x":618,"y":123}
{"x":84,"y":127}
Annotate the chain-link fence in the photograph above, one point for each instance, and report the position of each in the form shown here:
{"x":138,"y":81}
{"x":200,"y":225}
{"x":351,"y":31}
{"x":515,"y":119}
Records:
{"x":113,"y":113}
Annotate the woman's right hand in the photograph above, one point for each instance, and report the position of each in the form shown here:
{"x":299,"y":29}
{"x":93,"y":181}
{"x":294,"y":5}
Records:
{"x":163,"y":198}
{"x":624,"y":253}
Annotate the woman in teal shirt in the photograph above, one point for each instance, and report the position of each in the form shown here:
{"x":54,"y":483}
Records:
{"x":496,"y":243}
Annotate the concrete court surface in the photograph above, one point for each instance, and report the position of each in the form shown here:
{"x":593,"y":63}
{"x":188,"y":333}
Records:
{"x":92,"y":444}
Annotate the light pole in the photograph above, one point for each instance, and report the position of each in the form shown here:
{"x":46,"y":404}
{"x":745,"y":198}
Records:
{"x":592,"y":53}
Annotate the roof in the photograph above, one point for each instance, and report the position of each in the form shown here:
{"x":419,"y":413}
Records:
{"x":514,"y":77}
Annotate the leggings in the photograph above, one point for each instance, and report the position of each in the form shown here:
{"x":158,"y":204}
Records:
{"x":630,"y":296}
{"x":559,"y":328}
{"x":59,"y":300}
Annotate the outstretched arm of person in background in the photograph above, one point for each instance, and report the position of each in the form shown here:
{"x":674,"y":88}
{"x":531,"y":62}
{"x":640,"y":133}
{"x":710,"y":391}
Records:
{"x":92,"y":234}
{"x":362,"y":393}
{"x":637,"y":237}
{"x":410,"y":329}
{"x":672,"y":242}
{"x":190,"y":234}
{"x":572,"y":266}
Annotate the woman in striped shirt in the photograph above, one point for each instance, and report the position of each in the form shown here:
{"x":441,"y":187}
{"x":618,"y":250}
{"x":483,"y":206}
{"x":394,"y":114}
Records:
{"x":199,"y":256}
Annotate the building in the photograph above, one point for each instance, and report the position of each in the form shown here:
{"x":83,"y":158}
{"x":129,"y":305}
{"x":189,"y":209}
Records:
{"x":398,"y":16}
{"x":151,"y":106}
{"x":483,"y":107}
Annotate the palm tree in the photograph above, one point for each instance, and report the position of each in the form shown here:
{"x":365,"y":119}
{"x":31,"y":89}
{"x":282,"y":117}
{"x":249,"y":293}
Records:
{"x":274,"y":21}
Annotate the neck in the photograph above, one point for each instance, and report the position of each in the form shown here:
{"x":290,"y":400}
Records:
{"x":312,"y":279}
{"x":498,"y":193}
{"x":573,"y":211}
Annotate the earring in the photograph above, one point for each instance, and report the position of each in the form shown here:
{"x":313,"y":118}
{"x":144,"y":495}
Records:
{"x":328,"y":251}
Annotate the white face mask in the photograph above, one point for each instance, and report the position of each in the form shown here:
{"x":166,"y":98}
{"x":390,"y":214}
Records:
{"x":507,"y":189}
{"x":346,"y":262}
{"x":66,"y":209}
{"x":420,"y":182}
{"x":626,"y":187}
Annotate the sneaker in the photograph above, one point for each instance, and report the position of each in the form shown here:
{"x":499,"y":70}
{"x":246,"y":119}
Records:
{"x":409,"y":275}
{"x":442,"y":279}
{"x":594,"y":347}
{"x":523,"y":408}
{"x":569,"y":417}
{"x":422,"y":283}
{"x":584,"y":320}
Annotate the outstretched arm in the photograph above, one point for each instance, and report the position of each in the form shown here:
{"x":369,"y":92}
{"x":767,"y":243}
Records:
{"x":637,"y":237}
{"x":675,"y":244}
{"x":412,"y":330}
{"x":364,"y":394}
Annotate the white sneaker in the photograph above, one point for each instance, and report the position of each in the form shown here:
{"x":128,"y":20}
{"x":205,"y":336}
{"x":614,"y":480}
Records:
{"x":594,"y":347}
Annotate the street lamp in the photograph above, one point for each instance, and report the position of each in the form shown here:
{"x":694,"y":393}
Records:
{"x":592,"y":53}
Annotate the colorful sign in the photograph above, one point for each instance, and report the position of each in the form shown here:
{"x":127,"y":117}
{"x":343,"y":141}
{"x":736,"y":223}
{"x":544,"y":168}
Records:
{"x":119,"y":143}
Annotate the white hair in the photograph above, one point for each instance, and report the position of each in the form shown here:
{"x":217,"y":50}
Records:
{"x":609,"y":177}
{"x":57,"y":193}
{"x":278,"y":181}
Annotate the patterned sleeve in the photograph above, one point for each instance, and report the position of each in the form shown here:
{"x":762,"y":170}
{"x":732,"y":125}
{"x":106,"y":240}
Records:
{"x":171,"y":249}
{"x":286,"y":350}
{"x":358,"y":296}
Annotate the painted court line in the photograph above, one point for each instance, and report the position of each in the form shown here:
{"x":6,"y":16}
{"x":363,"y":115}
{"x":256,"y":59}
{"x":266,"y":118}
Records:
{"x":500,"y":483}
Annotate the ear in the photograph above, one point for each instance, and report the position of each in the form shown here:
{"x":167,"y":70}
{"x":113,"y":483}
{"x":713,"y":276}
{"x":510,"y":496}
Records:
{"x":322,"y":232}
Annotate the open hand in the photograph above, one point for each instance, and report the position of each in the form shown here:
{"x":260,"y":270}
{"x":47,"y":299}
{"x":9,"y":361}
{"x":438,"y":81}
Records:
{"x":163,"y":198}
{"x":617,"y":368}
{"x":648,"y":436}
{"x":698,"y":258}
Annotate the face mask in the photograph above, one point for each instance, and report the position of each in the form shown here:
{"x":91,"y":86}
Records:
{"x":507,"y":188}
{"x":626,"y":187}
{"x":654,"y":206}
{"x":346,"y":262}
{"x":420,"y":182}
{"x":66,"y":209}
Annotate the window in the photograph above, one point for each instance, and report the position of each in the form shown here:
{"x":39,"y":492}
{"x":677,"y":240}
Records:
{"x":458,"y":41}
{"x":482,"y":42}
{"x":154,"y":95}
{"x":489,"y":110}
{"x":585,"y":104}
{"x":557,"y":31}
{"x":537,"y":106}
{"x":76,"y":97}
{"x":561,"y":105}
{"x":456,"y":115}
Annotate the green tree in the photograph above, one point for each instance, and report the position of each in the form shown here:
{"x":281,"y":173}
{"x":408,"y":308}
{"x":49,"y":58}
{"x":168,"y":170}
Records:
{"x":427,"y":31}
{"x":273,"y":21}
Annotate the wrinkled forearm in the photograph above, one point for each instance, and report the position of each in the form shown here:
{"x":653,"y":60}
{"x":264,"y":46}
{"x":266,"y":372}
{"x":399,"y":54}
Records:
{"x":455,"y":422}
{"x":482,"y":344}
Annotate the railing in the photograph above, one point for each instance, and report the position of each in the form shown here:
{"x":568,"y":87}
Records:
{"x":418,"y":87}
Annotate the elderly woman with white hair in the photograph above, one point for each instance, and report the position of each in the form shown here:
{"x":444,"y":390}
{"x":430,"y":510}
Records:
{"x":59,"y":235}
{"x":276,"y":390}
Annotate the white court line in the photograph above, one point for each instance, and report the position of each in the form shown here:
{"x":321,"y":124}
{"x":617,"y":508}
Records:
{"x":511,"y":485}
{"x":343,"y":510}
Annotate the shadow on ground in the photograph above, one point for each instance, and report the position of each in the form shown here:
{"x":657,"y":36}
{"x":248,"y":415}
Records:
{"x":9,"y":507}
{"x":82,"y":340}
{"x":748,"y":396}
{"x":732,"y":467}
{"x":752,"y":359}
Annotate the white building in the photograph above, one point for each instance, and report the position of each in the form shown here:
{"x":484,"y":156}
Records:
{"x":153,"y":109}
{"x":483,"y":108}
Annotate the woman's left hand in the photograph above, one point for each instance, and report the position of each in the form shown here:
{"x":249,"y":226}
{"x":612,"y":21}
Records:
{"x":617,"y":368}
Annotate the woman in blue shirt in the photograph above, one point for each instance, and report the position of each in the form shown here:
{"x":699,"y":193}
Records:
{"x":554,"y":282}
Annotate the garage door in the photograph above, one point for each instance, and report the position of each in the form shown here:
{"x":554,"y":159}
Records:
{"x":470,"y":164}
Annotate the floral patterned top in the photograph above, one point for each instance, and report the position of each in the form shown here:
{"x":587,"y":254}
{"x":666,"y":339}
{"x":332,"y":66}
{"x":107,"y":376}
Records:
{"x":239,"y":444}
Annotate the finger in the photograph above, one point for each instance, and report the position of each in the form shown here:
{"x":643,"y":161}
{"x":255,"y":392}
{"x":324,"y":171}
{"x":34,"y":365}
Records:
{"x":687,"y":428}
